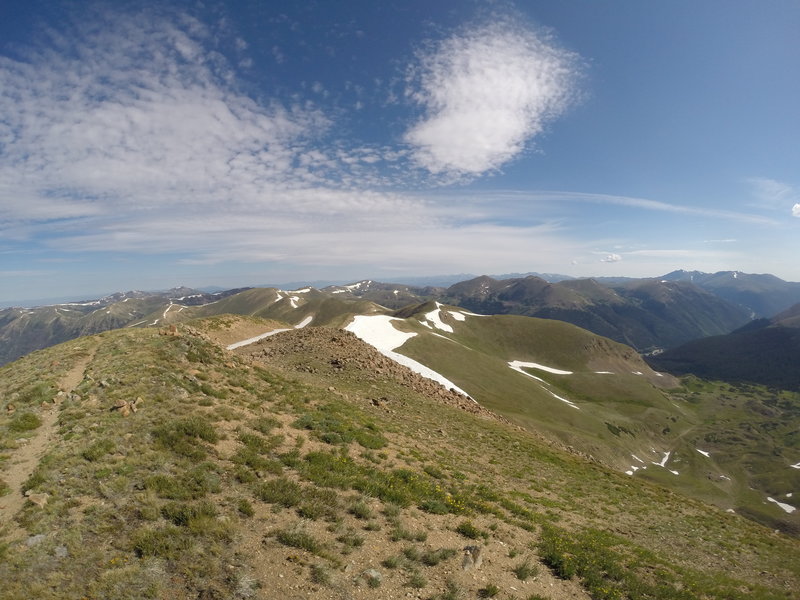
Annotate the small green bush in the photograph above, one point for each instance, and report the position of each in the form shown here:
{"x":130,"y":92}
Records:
{"x":181,"y":436}
{"x":351,"y":539}
{"x":265,"y":424}
{"x":169,"y":542}
{"x":432,"y":557}
{"x":183,"y":514}
{"x":525,"y":570}
{"x":24,"y":422}
{"x":300,"y":539}
{"x":98,"y":449}
{"x":361,"y":510}
{"x":468,"y":530}
{"x":191,"y":485}
{"x":489,"y":591}
{"x":245,"y":508}
{"x":280,"y":490}
{"x":416,"y":580}
{"x":320,"y":574}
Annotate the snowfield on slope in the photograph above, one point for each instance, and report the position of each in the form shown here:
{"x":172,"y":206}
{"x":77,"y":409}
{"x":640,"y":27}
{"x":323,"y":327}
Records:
{"x":518,"y":365}
{"x":253,"y":340}
{"x":378,"y":332}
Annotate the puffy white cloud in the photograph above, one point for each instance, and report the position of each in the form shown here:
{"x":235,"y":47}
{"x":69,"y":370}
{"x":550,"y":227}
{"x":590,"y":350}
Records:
{"x":796,"y":210}
{"x":610,"y":258}
{"x":485,"y":93}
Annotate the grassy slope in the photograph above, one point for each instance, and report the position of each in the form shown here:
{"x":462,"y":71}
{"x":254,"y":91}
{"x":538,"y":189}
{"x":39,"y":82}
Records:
{"x":232,"y":474}
{"x":750,"y":431}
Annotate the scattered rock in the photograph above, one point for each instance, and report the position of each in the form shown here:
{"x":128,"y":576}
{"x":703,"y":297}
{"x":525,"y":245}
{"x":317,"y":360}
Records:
{"x":61,"y":552}
{"x":35,"y":540}
{"x":373,"y":577}
{"x":39,"y":500}
{"x":125,"y":408}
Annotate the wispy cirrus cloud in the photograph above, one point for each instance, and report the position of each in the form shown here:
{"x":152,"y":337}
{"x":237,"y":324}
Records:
{"x":775,"y":194}
{"x":486,"y":92}
{"x":633,"y":202}
{"x":130,"y":133}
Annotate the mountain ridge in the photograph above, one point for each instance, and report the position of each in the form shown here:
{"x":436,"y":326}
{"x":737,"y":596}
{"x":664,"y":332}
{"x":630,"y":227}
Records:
{"x":188,"y":471}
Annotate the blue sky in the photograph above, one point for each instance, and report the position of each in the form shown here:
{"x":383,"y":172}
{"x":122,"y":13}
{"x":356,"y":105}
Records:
{"x":152,"y":144}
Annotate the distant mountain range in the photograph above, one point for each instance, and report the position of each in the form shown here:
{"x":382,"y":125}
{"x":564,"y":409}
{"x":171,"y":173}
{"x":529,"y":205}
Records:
{"x":647,"y":314}
{"x":763,"y":294}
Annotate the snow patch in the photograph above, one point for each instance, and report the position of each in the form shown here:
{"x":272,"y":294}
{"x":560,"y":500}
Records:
{"x":664,"y":460}
{"x":637,"y":372}
{"x":378,"y":331}
{"x":435,"y":317}
{"x":304,"y":322}
{"x":637,"y":458}
{"x":457,"y":315}
{"x":164,"y":316}
{"x":797,"y":466}
{"x":570,"y":402}
{"x":517,"y":365}
{"x":785,"y":507}
{"x":253,"y":340}
{"x":703,"y":452}
{"x":526,"y":373}
{"x":604,"y":372}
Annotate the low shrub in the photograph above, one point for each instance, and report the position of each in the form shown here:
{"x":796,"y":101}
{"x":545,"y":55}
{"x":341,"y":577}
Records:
{"x":24,"y":422}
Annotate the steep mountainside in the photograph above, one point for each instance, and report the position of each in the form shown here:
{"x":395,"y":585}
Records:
{"x":23,"y":330}
{"x":646,"y":314}
{"x":766,"y":351}
{"x":762,"y":294}
{"x":308,"y":467}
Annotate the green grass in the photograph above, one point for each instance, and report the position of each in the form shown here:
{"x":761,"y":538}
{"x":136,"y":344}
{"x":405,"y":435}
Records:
{"x":281,"y":491}
{"x":98,"y":449}
{"x":24,"y":422}
{"x":183,"y":436}
{"x":301,"y":539}
{"x":525,"y":570}
{"x":162,"y":519}
{"x":469,"y":530}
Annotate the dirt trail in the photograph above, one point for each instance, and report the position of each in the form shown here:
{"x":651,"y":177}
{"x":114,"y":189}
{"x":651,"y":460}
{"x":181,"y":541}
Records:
{"x":25,"y":459}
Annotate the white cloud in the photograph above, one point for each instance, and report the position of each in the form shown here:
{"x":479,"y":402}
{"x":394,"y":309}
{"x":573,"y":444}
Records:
{"x":776,"y":195}
{"x":486,"y":93}
{"x":610,"y":258}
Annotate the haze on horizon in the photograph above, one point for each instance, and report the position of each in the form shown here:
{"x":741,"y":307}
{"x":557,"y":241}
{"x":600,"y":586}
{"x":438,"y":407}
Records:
{"x":159,"y":144}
